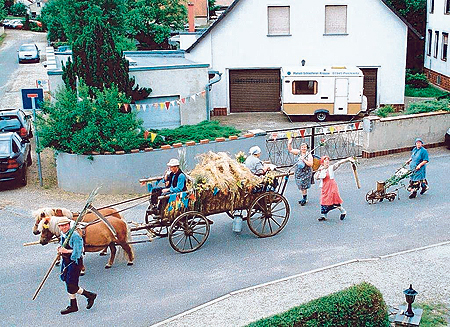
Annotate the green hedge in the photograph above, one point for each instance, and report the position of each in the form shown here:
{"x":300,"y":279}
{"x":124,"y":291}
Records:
{"x":359,"y":305}
{"x":428,"y":106}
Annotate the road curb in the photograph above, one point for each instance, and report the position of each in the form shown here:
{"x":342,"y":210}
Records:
{"x":310,"y":272}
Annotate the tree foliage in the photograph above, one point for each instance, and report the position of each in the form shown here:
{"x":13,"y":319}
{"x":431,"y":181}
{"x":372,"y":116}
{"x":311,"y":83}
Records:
{"x":151,"y":22}
{"x":415,"y":12}
{"x":2,"y":10}
{"x":18,"y":9}
{"x":84,"y":124}
{"x":51,"y":16}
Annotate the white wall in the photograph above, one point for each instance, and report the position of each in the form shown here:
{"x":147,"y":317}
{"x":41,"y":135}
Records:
{"x":440,"y":22}
{"x":376,"y":38}
{"x":182,"y":82}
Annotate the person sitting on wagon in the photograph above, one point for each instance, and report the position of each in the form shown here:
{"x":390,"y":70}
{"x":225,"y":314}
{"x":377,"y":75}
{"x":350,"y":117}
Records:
{"x":174,"y":180}
{"x":255,"y":164}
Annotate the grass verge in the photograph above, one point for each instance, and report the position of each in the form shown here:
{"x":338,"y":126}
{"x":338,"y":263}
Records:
{"x":429,"y":92}
{"x":434,"y":315}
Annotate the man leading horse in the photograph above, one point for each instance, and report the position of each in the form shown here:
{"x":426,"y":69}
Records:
{"x":71,"y":264}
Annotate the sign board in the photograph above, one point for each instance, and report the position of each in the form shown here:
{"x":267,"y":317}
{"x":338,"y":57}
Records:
{"x":43,"y":84}
{"x":28,"y":94}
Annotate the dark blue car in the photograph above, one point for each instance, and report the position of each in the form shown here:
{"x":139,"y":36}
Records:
{"x":15,"y":158}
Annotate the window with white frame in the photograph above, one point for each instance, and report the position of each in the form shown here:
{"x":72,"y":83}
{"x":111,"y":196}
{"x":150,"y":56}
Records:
{"x":436,"y":44}
{"x":429,"y":39}
{"x":278,"y":18}
{"x":444,"y":46}
{"x":431,"y":6}
{"x":336,"y":19}
{"x":447,"y":7}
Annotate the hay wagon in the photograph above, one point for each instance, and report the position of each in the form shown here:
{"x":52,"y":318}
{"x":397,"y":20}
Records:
{"x":184,"y":217}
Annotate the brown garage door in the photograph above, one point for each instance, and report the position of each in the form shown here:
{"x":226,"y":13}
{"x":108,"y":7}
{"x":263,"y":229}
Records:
{"x":370,"y":86}
{"x":254,"y":90}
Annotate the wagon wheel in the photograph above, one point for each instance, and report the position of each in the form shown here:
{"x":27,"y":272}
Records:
{"x":268,"y":214}
{"x":188,"y":232}
{"x":371,"y":197}
{"x":391,"y":197}
{"x":159,"y":230}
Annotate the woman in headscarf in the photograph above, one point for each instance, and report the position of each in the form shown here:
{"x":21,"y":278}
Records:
{"x":417,"y":163}
{"x":329,"y":197}
{"x":303,"y":170}
{"x":253,"y":162}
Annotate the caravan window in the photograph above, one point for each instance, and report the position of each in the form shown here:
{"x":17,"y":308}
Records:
{"x":304,"y":87}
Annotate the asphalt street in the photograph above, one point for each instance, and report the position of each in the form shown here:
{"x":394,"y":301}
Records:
{"x":163,"y":283}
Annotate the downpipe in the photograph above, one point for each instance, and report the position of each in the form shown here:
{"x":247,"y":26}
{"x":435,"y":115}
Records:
{"x":208,"y":87}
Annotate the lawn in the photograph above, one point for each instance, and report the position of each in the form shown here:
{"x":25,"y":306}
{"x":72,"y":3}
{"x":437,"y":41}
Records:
{"x":428,"y":92}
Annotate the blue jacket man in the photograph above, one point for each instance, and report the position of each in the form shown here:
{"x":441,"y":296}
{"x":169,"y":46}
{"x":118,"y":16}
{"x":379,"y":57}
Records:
{"x":71,"y":264}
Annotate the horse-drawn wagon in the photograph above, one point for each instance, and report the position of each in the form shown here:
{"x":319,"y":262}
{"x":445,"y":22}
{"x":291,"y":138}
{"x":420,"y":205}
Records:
{"x":183,"y":217}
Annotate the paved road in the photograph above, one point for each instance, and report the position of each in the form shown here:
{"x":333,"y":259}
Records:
{"x":9,"y":65}
{"x":163,"y":283}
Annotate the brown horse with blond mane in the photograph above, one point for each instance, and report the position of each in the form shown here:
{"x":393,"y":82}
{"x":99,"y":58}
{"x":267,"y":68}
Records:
{"x":96,"y":235}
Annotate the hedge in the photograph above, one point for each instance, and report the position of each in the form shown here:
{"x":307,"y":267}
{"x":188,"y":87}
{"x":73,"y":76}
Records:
{"x":358,"y":305}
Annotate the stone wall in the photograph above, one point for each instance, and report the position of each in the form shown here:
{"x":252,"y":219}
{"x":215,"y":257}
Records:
{"x":120,"y":173}
{"x":396,"y":134}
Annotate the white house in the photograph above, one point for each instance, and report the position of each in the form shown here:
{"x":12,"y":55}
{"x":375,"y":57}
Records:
{"x":436,"y":63}
{"x":254,"y":39}
{"x":179,"y":86}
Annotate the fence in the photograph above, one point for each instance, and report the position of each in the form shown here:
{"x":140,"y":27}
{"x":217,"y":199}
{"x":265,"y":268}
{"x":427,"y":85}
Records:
{"x":337,"y":140}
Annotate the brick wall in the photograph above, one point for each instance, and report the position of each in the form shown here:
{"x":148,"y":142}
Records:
{"x":432,"y":77}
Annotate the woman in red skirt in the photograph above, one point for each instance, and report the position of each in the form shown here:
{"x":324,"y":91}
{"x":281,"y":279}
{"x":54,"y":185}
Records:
{"x":329,"y":198}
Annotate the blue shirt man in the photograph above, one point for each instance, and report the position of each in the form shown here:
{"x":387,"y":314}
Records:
{"x":176,"y":181}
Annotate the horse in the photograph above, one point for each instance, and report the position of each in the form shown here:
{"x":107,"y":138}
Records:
{"x":41,"y":213}
{"x":96,"y":236}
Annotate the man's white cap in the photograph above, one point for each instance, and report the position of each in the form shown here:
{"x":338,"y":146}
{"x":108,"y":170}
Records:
{"x":63,"y":221}
{"x":254,"y":150}
{"x":173,"y":162}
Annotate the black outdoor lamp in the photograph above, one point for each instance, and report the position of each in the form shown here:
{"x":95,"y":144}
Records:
{"x":410,"y":295}
{"x":303,"y":62}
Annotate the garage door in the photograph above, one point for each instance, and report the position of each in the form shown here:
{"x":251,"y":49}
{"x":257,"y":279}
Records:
{"x":254,"y":90}
{"x":370,"y":86}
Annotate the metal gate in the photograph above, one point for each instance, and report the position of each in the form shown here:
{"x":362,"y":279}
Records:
{"x":338,"y":141}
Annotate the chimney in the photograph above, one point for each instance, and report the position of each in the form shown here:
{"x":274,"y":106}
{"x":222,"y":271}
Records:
{"x":191,"y":17}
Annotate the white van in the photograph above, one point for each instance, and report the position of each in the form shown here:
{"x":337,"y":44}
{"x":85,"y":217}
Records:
{"x":322,"y":91}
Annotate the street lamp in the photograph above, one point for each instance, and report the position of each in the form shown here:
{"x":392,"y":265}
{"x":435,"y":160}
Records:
{"x":410,"y":294}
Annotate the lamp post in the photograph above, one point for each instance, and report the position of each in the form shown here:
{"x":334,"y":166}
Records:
{"x":410,"y":295}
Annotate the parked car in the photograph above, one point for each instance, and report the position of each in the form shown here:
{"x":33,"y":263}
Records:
{"x":38,"y":23}
{"x":16,"y":120}
{"x":64,"y":48}
{"x":16,"y":24}
{"x":5,"y":22}
{"x":15,"y":158}
{"x":28,"y":52}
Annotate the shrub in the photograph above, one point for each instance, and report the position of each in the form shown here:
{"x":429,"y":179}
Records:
{"x":204,"y":130}
{"x":428,"y":106}
{"x":418,"y":81}
{"x":385,"y":111}
{"x":81,"y":126}
{"x":359,"y":305}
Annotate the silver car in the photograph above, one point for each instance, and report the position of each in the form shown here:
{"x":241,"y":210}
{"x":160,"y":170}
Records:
{"x":28,"y":52}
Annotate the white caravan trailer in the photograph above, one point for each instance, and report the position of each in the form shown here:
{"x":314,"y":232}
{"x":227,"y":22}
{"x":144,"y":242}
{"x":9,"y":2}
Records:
{"x":322,"y":91}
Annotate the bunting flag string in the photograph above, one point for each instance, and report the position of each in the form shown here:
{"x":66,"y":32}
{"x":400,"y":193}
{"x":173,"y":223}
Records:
{"x":127,"y":107}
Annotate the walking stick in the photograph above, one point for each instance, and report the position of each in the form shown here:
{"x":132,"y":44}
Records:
{"x":66,"y":241}
{"x":355,"y":173}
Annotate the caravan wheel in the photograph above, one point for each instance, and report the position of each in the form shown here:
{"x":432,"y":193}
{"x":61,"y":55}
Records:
{"x":321,"y":116}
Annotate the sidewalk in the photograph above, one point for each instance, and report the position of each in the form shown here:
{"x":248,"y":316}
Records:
{"x":425,"y":268}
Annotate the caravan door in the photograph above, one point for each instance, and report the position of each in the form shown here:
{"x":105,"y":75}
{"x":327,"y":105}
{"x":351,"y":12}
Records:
{"x":341,"y":96}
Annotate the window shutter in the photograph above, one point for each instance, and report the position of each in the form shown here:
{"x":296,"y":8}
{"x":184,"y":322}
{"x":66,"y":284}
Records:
{"x":335,"y":19}
{"x":279,"y":20}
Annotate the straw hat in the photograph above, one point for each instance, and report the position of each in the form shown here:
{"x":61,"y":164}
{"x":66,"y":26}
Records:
{"x":173,"y":162}
{"x":63,"y":221}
